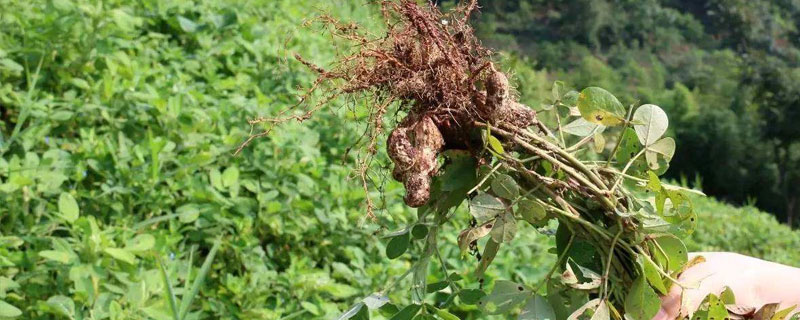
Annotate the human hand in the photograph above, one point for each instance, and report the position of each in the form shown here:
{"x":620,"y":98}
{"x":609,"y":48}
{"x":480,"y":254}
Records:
{"x":754,"y":282}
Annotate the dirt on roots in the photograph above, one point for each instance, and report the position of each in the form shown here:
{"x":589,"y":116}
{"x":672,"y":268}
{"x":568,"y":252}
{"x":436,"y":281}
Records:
{"x":432,"y":63}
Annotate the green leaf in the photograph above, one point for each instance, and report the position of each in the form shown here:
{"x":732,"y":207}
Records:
{"x":650,"y":123}
{"x":570,"y":98}
{"x":445,"y":315}
{"x":505,"y":187}
{"x":727,"y":296}
{"x":397,"y":246}
{"x":495,"y":144}
{"x":142,"y":242}
{"x":11,"y":65}
{"x":57,"y":256}
{"x":580,"y":127}
{"x":188,"y":297}
{"x":350,"y":313}
{"x":121,"y":255}
{"x":215,"y":177}
{"x":485,"y":206}
{"x":407,"y":313}
{"x":311,"y":308}
{"x":230,"y":176}
{"x":459,"y":174}
{"x":628,"y":148}
{"x":187,"y":25}
{"x":537,"y":308}
{"x":716,"y":309}
{"x":652,"y":274}
{"x":68,"y":207}
{"x":558,"y":90}
{"x":531,"y":211}
{"x":9,"y":311}
{"x":675,"y":252}
{"x":505,"y":296}
{"x":505,"y":228}
{"x":187,"y":213}
{"x":642,"y":302}
{"x":436,"y":286}
{"x":471,"y":296}
{"x":419,"y":231}
{"x":61,"y":305}
{"x":489,"y":252}
{"x":80,"y":83}
{"x":780,"y":315}
{"x":600,"y":106}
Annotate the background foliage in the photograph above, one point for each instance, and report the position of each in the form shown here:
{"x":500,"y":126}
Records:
{"x":726,"y":71}
{"x":119,"y":120}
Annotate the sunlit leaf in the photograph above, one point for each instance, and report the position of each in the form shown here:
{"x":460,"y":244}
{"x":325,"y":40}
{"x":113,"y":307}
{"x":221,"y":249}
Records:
{"x":727,"y":296}
{"x":650,"y":123}
{"x":68,"y":207}
{"x":600,"y":106}
{"x":782,"y":314}
{"x":675,"y":252}
{"x":9,"y":311}
{"x":121,"y":255}
{"x":580,"y":127}
{"x":716,"y":309}
{"x":142,"y":242}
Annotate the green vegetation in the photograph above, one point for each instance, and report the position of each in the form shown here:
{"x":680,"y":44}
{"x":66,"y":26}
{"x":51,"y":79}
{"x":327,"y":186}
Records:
{"x":120,"y":197}
{"x":726,"y":71}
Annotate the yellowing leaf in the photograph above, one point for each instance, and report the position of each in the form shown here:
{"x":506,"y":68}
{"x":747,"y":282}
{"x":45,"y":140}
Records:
{"x":495,"y":144}
{"x":600,"y":106}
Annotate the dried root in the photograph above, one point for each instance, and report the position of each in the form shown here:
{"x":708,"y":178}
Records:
{"x":436,"y":68}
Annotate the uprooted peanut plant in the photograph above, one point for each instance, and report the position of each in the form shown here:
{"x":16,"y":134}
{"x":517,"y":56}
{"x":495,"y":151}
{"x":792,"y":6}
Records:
{"x":465,"y":136}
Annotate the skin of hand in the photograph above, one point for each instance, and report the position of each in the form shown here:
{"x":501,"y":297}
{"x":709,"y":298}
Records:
{"x":754,"y":283}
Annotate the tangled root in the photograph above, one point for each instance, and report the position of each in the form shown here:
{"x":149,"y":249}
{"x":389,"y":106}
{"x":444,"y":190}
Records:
{"x":436,"y":68}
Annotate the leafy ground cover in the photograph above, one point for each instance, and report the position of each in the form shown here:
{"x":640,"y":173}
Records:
{"x":121,"y":198}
